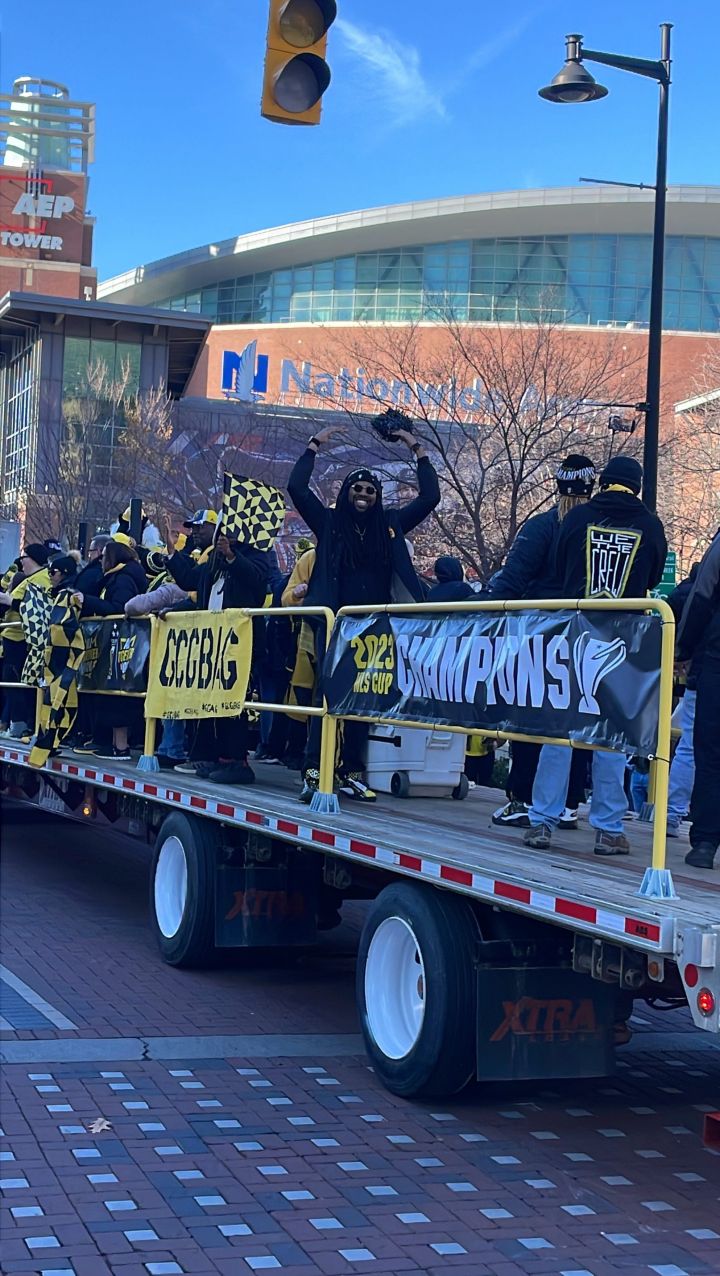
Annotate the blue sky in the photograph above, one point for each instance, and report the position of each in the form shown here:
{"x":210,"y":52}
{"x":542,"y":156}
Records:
{"x":428,"y":99}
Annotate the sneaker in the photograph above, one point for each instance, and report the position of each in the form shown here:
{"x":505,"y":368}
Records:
{"x":18,"y":730}
{"x":166,"y":763}
{"x":311,"y":784}
{"x":233,"y":773}
{"x":611,"y":843}
{"x":203,"y":770}
{"x":513,"y":815}
{"x":568,"y":819}
{"x":89,"y":746}
{"x":185,"y":768}
{"x":352,"y":785}
{"x":538,"y":837}
{"x":673,"y":830}
{"x":702,"y":855}
{"x":261,"y":753}
{"x":112,"y":754}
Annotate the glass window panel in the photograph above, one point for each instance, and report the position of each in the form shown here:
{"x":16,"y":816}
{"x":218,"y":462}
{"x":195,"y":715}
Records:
{"x":128,"y":364}
{"x":75,"y":363}
{"x":102,"y":353}
{"x":367,"y":269}
{"x":342,"y":309}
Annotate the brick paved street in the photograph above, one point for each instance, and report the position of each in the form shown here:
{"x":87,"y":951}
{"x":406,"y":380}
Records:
{"x":300,"y":1162}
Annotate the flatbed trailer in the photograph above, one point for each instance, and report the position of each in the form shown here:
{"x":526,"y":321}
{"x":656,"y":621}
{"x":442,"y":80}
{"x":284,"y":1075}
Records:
{"x":479,"y":958}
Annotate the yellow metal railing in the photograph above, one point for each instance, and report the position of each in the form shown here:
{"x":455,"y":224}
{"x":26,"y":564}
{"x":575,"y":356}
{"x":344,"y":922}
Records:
{"x":329,"y":725}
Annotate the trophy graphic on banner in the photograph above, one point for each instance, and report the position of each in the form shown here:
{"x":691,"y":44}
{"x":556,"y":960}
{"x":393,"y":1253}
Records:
{"x":594,"y":659}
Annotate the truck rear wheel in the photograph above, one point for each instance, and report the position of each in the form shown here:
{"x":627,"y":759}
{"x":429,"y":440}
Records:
{"x":415,"y":990}
{"x":182,"y":891}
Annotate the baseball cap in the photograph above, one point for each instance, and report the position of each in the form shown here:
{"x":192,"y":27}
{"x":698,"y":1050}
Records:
{"x":201,"y":516}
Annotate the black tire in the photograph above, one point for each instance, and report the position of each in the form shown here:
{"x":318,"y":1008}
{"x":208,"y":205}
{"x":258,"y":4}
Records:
{"x":193,"y":942}
{"x":442,"y":1059}
{"x":400,"y":784}
{"x":462,"y":788}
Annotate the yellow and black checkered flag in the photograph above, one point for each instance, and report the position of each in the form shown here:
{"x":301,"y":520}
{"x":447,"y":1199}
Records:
{"x":63,"y":657}
{"x":252,"y":513}
{"x":35,"y":609}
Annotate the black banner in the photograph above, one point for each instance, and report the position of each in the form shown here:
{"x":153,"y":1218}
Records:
{"x":116,"y":655}
{"x":586,"y":676}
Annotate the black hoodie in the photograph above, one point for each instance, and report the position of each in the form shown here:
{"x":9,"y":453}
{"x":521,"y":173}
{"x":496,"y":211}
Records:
{"x":612,"y":547}
{"x":325,"y":588}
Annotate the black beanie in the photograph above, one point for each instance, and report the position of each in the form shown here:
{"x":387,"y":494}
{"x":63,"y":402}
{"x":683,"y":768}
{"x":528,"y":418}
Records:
{"x":39,"y":553}
{"x":625,"y":471}
{"x":447,"y":567}
{"x":576,"y":475}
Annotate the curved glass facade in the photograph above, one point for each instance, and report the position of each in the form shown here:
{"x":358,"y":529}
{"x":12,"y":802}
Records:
{"x":575,"y":279}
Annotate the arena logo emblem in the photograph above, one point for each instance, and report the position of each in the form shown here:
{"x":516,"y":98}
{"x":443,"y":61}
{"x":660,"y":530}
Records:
{"x":244,"y":375}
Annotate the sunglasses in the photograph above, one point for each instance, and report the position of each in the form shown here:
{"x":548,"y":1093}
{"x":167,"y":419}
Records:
{"x":364,"y":489}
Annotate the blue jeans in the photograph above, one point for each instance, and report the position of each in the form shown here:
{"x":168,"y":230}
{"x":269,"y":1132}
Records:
{"x":682,"y":771}
{"x":173,"y":739}
{"x":609,"y":802}
{"x":639,"y":787}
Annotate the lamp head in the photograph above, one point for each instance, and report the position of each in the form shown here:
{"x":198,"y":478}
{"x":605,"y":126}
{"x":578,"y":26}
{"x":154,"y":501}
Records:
{"x":573,"y":83}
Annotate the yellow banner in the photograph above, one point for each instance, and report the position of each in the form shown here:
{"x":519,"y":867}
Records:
{"x":199,"y":665}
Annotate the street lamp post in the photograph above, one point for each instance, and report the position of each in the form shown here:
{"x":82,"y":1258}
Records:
{"x":575,"y":84}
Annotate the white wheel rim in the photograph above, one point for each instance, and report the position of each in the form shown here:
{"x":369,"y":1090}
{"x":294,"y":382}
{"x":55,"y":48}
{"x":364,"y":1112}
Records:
{"x":395,"y":988}
{"x":171,"y":880}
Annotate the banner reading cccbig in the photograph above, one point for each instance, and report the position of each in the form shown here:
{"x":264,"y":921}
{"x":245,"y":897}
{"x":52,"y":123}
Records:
{"x":587,"y":676}
{"x":199,"y":665}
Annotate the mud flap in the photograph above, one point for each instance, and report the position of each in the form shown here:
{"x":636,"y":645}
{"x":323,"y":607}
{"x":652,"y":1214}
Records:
{"x":265,"y":906}
{"x":538,"y":1022}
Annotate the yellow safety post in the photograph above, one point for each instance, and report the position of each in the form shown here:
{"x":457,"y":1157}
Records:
{"x":325,"y":801}
{"x":148,"y":761}
{"x":657,"y":882}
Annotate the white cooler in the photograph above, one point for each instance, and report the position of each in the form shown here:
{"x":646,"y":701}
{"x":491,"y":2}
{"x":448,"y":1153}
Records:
{"x":416,"y":762}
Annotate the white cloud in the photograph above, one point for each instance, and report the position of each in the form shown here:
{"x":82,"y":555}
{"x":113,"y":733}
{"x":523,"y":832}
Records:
{"x":491,"y":49}
{"x":397,"y":76}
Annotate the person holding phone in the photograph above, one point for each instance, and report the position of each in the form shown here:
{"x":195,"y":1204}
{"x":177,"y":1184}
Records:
{"x":361,"y":560}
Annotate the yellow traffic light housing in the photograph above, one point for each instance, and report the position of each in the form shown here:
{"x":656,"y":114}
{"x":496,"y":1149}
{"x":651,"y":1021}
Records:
{"x":296,"y":73}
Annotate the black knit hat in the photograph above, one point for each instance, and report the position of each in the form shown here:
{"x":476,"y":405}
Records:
{"x":576,"y":475}
{"x":39,"y":553}
{"x":625,"y":471}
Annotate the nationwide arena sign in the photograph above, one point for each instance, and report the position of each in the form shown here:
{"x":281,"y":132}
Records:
{"x":245,"y":378}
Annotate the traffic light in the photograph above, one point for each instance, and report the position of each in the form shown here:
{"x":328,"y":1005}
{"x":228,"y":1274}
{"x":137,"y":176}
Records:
{"x":296,"y":73}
